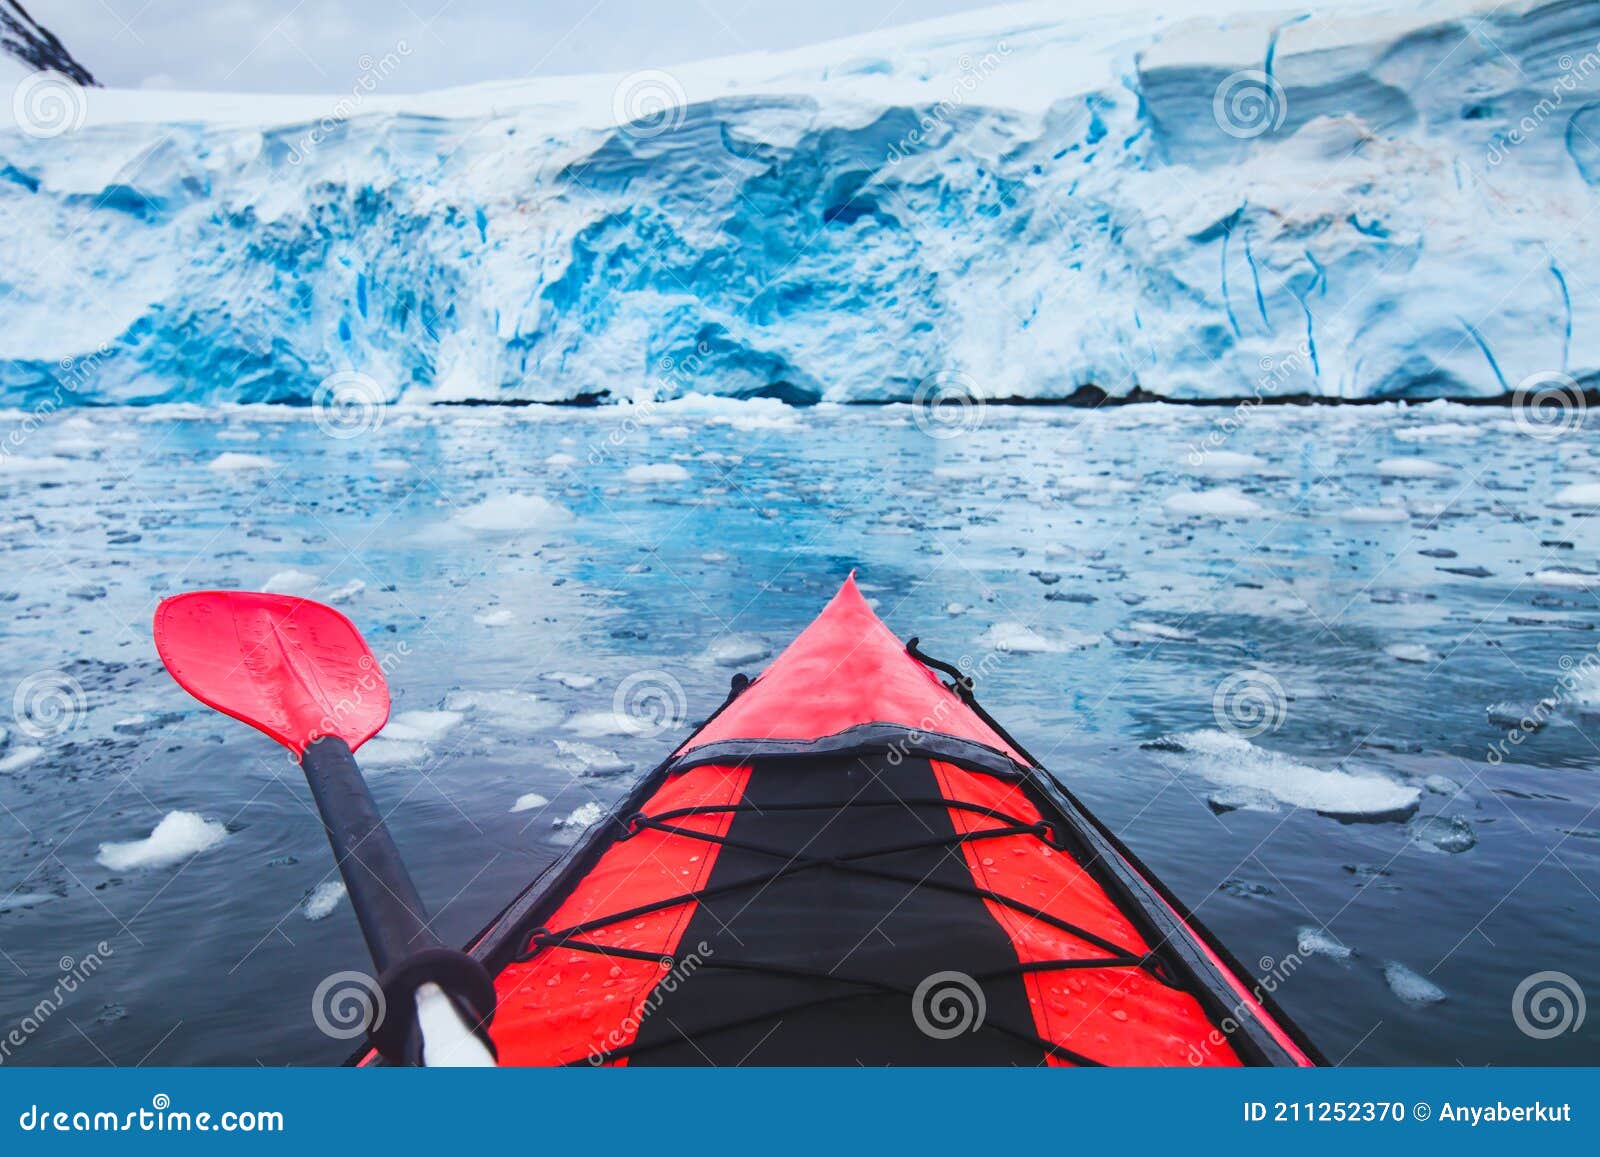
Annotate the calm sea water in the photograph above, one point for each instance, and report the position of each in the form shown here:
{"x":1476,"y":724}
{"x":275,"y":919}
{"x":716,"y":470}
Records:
{"x":1277,"y":655}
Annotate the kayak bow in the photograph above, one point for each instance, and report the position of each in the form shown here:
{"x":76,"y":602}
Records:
{"x":851,"y":863}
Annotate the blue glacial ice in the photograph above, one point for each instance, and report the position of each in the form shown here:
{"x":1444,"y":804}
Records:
{"x":1352,"y":203}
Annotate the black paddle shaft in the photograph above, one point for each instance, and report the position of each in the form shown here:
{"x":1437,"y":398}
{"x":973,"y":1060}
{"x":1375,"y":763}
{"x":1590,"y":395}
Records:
{"x":406,"y":952}
{"x":385,"y":900}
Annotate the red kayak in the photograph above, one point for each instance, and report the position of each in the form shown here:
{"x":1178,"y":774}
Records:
{"x":850,"y":863}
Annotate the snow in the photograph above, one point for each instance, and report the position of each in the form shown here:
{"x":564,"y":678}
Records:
{"x":178,"y":836}
{"x":1252,"y":776}
{"x":1321,"y":942}
{"x":231,"y":462}
{"x":1411,"y":987}
{"x":290,"y":582}
{"x":323,"y":900}
{"x":1411,"y":468}
{"x":1579,"y":494}
{"x":1040,"y":199}
{"x":1223,"y":502}
{"x":737,"y":650}
{"x":513,"y":512}
{"x":656,"y":472}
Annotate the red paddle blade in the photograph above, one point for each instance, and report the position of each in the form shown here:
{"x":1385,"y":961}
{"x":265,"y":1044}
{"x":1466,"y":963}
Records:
{"x":290,"y":667}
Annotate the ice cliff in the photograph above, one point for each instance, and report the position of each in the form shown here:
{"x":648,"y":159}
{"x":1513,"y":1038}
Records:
{"x":1347,"y":202}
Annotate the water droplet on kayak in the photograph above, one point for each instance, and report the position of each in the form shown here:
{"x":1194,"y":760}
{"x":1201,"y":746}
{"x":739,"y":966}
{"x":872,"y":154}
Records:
{"x":553,"y":981}
{"x":1118,"y":1014}
{"x":616,"y":970}
{"x":988,"y":862}
{"x":638,"y":926}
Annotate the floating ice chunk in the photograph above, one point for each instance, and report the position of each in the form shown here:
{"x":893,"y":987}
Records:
{"x":44,"y":464}
{"x":19,"y":757}
{"x":384,"y":753}
{"x":1409,"y":986}
{"x":1228,"y":463}
{"x":734,"y":650}
{"x":587,"y":759}
{"x":1439,"y":432}
{"x":569,"y":679}
{"x":560,"y":461}
{"x":347,"y":592}
{"x":1091,"y":483}
{"x":1450,"y":834}
{"x":1161,"y":632}
{"x":1374,"y":514}
{"x":1411,"y":468}
{"x":581,"y":819}
{"x":597,"y":724}
{"x":232,"y":462}
{"x":500,"y":618}
{"x":178,"y":836}
{"x":512,"y":512}
{"x":1321,"y":942}
{"x":1234,"y":886}
{"x":1222,"y":502}
{"x":421,"y":726}
{"x":1232,"y":762}
{"x":1527,"y":718}
{"x":520,"y":711}
{"x":1411,"y":653}
{"x":656,"y":472}
{"x":1577,"y":495}
{"x":1566,"y":578}
{"x":323,"y":900}
{"x":526,"y":803}
{"x":1021,"y":639}
{"x":145,"y":721}
{"x":290,"y":582}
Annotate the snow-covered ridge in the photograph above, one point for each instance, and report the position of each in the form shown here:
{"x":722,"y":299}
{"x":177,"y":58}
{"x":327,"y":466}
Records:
{"x":1356,"y":203}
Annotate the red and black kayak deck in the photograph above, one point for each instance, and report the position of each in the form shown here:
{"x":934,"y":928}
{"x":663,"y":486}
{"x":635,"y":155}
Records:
{"x":851,"y":864}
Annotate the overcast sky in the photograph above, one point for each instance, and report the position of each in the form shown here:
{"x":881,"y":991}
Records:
{"x":315,"y":45}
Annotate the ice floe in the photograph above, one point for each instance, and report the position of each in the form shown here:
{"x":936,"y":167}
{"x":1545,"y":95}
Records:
{"x":178,"y":836}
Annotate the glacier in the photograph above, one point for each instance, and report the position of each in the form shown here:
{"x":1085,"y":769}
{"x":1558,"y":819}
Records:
{"x":1348,"y":202}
